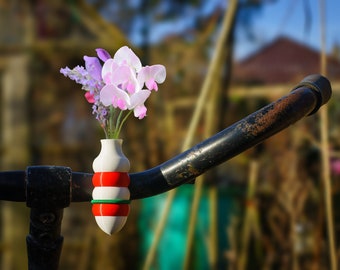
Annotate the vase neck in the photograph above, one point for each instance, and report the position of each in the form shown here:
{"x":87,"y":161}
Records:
{"x":111,"y":157}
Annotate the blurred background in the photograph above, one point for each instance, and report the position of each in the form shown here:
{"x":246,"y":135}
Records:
{"x":268,"y":208}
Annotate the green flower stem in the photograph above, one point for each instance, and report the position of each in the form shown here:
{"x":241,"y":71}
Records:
{"x":119,"y":117}
{"x":111,"y":131}
{"x":115,"y":123}
{"x":105,"y":132}
{"x":120,"y":125}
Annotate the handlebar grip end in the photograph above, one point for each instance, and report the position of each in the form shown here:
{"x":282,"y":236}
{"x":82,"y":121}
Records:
{"x":320,"y":85}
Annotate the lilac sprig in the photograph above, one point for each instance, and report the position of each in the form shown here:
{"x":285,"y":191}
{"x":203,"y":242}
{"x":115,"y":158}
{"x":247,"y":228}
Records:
{"x":116,"y":88}
{"x":92,"y":86}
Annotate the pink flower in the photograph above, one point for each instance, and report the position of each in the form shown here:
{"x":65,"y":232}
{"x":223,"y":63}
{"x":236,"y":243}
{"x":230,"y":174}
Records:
{"x":118,"y":98}
{"x":125,"y":56}
{"x":90,"y":97}
{"x":120,"y":75}
{"x":124,"y":78}
{"x":151,"y":75}
{"x":140,"y":111}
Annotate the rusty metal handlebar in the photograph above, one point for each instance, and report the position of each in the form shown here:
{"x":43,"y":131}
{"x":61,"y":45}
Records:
{"x":305,"y":99}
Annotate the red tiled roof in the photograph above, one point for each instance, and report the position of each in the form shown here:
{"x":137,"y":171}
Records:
{"x":282,"y":61}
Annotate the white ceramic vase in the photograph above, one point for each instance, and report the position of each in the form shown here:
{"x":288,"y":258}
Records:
{"x":111,"y":196}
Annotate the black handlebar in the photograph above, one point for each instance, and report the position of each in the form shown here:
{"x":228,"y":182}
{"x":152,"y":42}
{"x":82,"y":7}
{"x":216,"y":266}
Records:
{"x":305,"y":99}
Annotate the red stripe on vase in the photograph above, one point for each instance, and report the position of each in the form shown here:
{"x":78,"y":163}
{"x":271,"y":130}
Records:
{"x":99,"y":209}
{"x":113,"y":179}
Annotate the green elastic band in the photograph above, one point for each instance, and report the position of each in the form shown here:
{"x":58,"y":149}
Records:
{"x":116,"y":201}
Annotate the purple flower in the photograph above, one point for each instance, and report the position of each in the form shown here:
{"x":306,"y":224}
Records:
{"x":103,"y":54}
{"x":93,"y":67}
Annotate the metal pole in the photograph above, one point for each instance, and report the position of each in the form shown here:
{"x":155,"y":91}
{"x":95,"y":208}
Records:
{"x":48,"y":192}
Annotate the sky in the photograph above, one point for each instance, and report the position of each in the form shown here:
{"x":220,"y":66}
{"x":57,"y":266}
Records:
{"x":298,"y":19}
{"x":289,"y":18}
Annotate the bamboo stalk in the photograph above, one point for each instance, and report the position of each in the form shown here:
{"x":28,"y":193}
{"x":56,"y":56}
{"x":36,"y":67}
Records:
{"x":212,"y":72}
{"x":327,"y":186}
{"x":212,"y":110}
{"x":250,"y":222}
{"x":159,"y":230}
{"x":192,"y":221}
{"x":325,"y":149}
{"x":213,"y":232}
{"x":210,"y":128}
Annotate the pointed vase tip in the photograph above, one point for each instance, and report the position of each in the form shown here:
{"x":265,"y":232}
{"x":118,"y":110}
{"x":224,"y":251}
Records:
{"x":111,"y":224}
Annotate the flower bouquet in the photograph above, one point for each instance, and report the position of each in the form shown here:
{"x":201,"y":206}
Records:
{"x":116,"y":86}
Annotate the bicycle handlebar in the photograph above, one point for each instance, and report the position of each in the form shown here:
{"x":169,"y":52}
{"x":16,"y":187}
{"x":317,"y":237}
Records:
{"x":305,"y":99}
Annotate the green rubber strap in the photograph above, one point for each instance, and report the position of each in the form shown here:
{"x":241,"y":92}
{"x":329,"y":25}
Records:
{"x":116,"y":201}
